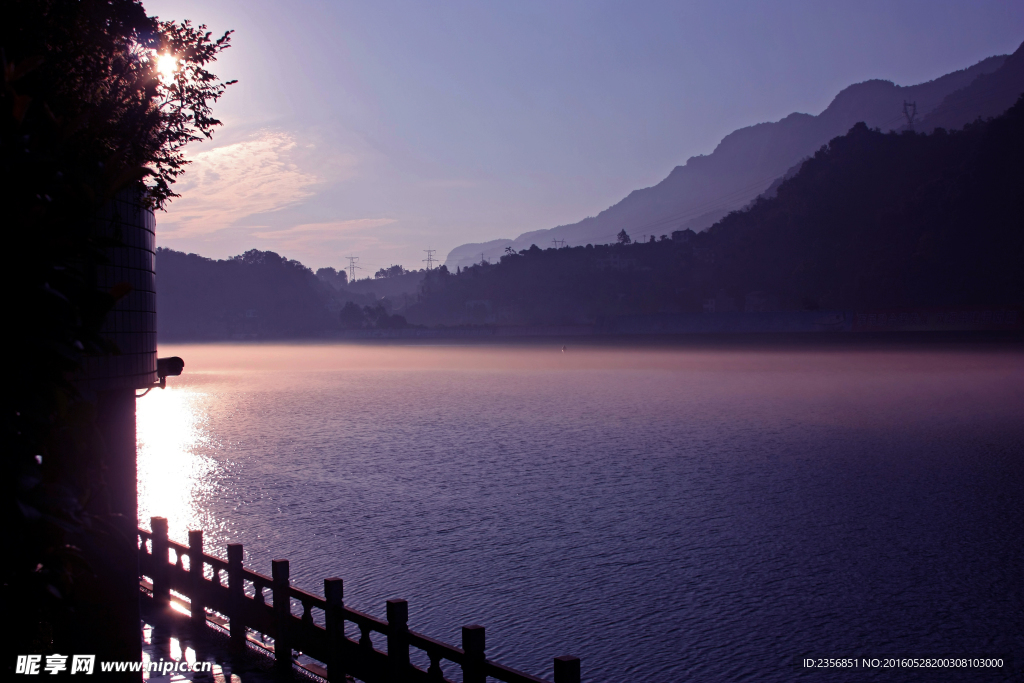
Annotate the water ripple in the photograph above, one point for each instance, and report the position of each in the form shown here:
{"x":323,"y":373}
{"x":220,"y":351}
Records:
{"x":664,"y":515}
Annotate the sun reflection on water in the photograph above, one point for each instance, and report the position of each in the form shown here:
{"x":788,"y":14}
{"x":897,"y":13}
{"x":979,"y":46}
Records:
{"x":176,"y":479}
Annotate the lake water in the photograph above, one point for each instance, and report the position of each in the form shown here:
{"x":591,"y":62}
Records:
{"x":664,"y":514}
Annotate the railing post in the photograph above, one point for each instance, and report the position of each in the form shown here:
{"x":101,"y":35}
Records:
{"x":334,"y":616}
{"x":236,"y":599}
{"x":473,"y":643}
{"x":567,"y":669}
{"x":282,"y":616}
{"x":196,"y":576}
{"x":398,"y":640}
{"x":161,"y":578}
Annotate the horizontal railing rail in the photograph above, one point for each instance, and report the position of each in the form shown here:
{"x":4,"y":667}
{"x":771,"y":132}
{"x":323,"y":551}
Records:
{"x":232,"y":597}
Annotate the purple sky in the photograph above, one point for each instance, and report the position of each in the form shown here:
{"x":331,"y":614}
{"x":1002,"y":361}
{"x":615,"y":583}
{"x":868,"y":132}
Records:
{"x":380,"y":129}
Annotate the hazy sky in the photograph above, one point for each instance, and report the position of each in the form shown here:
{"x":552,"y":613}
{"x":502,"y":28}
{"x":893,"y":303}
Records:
{"x":380,"y":129}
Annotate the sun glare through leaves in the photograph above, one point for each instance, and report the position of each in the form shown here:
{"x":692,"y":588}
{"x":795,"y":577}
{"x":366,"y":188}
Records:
{"x":166,"y":67}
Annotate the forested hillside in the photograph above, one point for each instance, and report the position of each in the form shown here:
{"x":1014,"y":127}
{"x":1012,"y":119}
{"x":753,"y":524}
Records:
{"x":698,"y":193}
{"x":885,"y":220}
{"x":257,"y":294}
{"x":872,"y":220}
{"x":261,"y":295}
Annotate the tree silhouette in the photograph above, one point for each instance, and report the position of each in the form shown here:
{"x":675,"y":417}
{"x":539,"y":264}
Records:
{"x":83,"y":114}
{"x":392,"y":271}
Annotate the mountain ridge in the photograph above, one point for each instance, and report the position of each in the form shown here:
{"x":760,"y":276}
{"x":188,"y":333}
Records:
{"x":918,"y":230}
{"x":986,"y":96}
{"x":744,"y":164}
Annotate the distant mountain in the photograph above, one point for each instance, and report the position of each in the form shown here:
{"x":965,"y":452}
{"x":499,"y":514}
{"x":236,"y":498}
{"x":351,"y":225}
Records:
{"x":745,"y":164}
{"x":396,"y":288}
{"x":910,"y":223}
{"x":256,"y":295}
{"x":263,"y":295}
{"x":987,"y":96}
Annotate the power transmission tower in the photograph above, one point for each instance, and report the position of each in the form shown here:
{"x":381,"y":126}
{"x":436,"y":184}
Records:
{"x":910,"y":111}
{"x":430,"y":258}
{"x":558,"y":243}
{"x":352,"y":267}
{"x":483,"y":261}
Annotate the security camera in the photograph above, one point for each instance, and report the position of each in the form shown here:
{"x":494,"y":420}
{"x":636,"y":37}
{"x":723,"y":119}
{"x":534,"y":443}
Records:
{"x":168,"y":367}
{"x":165,"y":367}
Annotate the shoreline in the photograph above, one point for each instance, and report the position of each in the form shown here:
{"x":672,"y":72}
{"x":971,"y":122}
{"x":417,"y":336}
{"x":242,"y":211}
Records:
{"x":974,"y":339}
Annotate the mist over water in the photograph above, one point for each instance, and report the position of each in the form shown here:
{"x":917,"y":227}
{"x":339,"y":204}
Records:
{"x":665,"y":515}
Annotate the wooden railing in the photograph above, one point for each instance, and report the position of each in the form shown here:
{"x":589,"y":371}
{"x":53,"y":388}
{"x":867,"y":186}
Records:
{"x":232,"y":597}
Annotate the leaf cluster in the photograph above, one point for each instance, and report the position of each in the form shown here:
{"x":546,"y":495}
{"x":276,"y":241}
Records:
{"x":82,"y":87}
{"x":391,"y":271}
